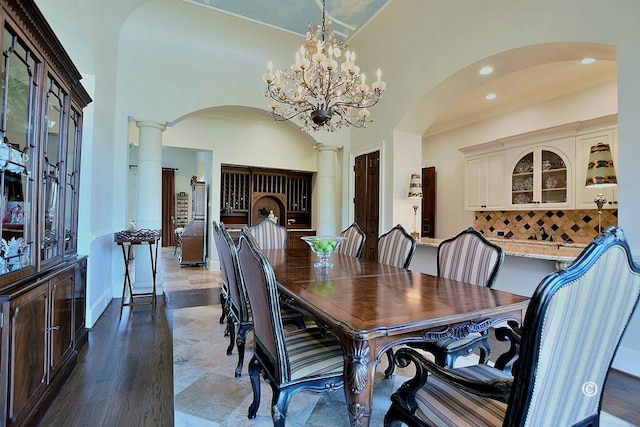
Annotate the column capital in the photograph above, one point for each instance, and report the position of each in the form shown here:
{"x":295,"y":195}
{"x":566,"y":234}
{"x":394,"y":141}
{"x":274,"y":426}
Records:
{"x":143,"y":123}
{"x":324,"y":147}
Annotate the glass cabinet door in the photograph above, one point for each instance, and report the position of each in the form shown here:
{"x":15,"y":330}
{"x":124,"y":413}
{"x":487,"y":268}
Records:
{"x":72,"y":172}
{"x":553,"y":178}
{"x":18,"y":97}
{"x":52,"y":169}
{"x":539,"y":178}
{"x":522,"y":180}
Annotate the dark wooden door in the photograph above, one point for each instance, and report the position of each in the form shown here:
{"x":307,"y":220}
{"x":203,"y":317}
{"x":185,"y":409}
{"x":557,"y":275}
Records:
{"x":366,"y":201}
{"x":428,"y":227}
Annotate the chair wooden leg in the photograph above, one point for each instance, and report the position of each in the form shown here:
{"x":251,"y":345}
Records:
{"x":254,"y":375}
{"x":279,"y":402}
{"x":393,"y":416}
{"x":507,"y":361}
{"x":485,"y":352}
{"x":388,"y":373}
{"x":231,"y":331}
{"x":240,"y":343}
{"x":225,"y":309}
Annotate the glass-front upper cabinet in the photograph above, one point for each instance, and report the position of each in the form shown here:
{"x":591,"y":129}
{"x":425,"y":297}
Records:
{"x":19,"y":103}
{"x":52,"y":167}
{"x":540,"y":177}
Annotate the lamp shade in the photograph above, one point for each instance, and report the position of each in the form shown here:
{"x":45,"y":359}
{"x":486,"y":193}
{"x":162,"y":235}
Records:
{"x":600,"y":171}
{"x":415,"y":186}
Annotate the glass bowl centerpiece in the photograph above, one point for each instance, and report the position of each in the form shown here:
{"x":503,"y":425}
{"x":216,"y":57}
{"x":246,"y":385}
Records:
{"x":323,"y":246}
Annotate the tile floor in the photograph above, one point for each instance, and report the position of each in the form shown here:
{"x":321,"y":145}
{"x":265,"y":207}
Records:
{"x":205,"y":389}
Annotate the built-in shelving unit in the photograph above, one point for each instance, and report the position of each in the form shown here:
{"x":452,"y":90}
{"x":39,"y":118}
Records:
{"x":248,"y":195}
{"x":182,"y":209}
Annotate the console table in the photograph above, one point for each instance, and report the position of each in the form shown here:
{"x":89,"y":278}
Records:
{"x":126,"y":239}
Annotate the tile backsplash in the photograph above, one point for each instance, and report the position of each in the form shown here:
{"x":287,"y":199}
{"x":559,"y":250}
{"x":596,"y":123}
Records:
{"x":580,"y":226}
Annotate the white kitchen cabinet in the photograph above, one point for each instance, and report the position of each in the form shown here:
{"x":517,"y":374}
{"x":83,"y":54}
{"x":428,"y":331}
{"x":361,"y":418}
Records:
{"x":538,"y":170}
{"x":485,"y":182}
{"x":584,"y":142}
{"x":541,"y":177}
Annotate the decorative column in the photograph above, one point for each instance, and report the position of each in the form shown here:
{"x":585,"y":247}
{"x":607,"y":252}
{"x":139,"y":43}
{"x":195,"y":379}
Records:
{"x":149,"y":200}
{"x":326,"y":181}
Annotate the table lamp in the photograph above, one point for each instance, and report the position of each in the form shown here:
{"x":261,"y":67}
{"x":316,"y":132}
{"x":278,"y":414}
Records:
{"x":415,"y":194}
{"x":600,"y":173}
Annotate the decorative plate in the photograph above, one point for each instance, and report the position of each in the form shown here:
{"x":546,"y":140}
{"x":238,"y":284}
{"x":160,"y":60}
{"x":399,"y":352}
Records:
{"x":518,"y":184}
{"x":523,"y":167}
{"x":528,"y":184}
{"x":521,"y":199}
{"x":551,"y":181}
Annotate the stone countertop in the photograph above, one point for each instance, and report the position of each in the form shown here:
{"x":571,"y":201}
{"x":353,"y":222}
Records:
{"x":552,"y":251}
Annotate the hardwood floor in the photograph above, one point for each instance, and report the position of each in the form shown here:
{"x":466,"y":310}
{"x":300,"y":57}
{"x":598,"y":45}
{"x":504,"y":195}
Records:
{"x":124,"y":375}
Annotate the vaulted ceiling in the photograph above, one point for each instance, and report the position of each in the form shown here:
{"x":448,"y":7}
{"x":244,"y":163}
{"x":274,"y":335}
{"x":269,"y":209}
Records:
{"x":518,"y":89}
{"x":344,"y":17}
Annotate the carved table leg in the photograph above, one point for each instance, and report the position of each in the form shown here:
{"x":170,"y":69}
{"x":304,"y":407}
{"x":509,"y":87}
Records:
{"x":358,"y":382}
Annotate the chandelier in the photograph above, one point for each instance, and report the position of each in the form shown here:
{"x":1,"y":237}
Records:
{"x":318,"y":91}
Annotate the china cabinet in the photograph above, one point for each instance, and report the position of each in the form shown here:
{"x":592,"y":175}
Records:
{"x":484,"y":182}
{"x":42,"y":278}
{"x":541,"y":177}
{"x":584,"y":142}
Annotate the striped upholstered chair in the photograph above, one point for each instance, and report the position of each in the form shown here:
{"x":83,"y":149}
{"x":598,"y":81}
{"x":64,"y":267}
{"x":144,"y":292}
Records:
{"x":570,"y":334}
{"x":396,"y":247}
{"x":268,"y":235}
{"x":467,"y":257}
{"x":224,"y":289}
{"x":355,"y":241}
{"x":239,"y":313}
{"x":304,"y":359}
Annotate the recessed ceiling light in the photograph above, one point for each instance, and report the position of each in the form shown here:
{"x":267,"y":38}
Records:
{"x":588,"y":60}
{"x":486,"y":70}
{"x":490,"y":96}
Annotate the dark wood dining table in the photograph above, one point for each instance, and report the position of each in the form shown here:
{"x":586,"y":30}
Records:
{"x":371,"y":307}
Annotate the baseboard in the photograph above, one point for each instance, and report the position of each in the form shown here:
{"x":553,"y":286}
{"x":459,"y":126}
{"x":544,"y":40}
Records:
{"x":98,"y":307}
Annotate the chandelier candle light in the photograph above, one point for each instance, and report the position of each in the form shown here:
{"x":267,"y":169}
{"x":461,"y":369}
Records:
{"x":316,"y":89}
{"x":415,"y":194}
{"x":600,"y":173}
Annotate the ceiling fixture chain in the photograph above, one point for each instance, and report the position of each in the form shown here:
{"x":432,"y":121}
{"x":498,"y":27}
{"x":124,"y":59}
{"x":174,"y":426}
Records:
{"x":319,"y":92}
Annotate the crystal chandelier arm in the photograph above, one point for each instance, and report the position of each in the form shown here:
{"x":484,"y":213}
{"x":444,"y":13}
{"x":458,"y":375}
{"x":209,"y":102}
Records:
{"x":359,"y":123}
{"x":283,"y":116}
{"x":311,"y":89}
{"x":369,"y":103}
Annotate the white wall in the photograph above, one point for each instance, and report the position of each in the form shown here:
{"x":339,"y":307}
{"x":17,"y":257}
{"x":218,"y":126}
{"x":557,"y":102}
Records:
{"x":406,"y":155}
{"x":92,"y":43}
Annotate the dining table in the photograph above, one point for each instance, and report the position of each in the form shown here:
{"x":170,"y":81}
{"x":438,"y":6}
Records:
{"x":371,"y":307}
